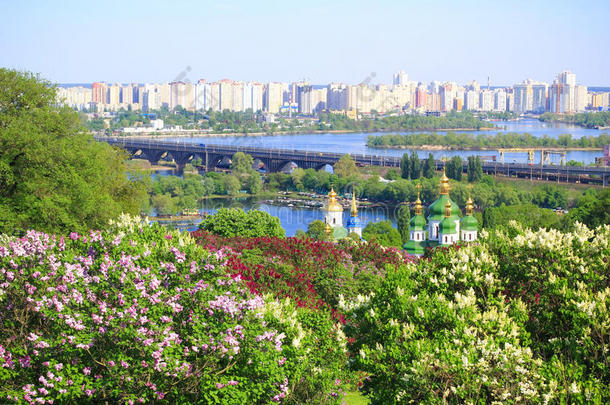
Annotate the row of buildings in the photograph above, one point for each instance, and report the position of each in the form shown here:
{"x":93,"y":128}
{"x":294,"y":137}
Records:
{"x":562,"y":96}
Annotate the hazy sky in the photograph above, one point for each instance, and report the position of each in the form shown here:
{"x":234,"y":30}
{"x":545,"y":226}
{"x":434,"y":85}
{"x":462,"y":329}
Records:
{"x":318,"y":40}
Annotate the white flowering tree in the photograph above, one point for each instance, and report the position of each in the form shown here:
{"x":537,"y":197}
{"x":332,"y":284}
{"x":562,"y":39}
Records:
{"x":520,"y":317}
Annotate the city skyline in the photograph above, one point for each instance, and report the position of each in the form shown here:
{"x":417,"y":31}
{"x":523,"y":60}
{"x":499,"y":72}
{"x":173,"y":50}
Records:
{"x":563,"y":95}
{"x":321,"y":43}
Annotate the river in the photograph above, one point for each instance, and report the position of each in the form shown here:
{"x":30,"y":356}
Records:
{"x":355,"y":142}
{"x":291,"y":218}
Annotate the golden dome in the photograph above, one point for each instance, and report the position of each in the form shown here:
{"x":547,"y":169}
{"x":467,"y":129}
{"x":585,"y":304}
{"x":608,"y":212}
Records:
{"x":469,"y":203}
{"x":448,"y":209}
{"x":354,"y":210}
{"x":418,"y":207}
{"x":444,"y":184}
{"x":333,"y":205}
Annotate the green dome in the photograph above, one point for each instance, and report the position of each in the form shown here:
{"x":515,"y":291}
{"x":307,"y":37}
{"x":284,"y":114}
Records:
{"x":447,"y":226}
{"x":414,"y":248}
{"x":436,"y":210}
{"x":417,"y":223}
{"x":469,"y":223}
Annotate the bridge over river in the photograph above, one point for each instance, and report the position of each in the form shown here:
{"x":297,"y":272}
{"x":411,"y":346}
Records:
{"x":275,"y":160}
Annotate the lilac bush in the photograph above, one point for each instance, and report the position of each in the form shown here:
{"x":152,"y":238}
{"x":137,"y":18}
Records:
{"x":138,"y":314}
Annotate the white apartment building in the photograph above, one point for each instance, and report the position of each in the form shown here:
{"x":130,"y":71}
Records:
{"x":486,"y":100}
{"x":471,"y":100}
{"x":500,"y":100}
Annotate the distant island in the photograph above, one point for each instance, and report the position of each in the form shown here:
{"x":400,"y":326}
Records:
{"x":466,"y":141}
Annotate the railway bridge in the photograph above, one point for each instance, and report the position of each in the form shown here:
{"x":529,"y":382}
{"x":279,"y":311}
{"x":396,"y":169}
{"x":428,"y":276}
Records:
{"x":275,"y":160}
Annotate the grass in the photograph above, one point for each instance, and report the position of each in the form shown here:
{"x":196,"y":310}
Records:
{"x":355,"y":398}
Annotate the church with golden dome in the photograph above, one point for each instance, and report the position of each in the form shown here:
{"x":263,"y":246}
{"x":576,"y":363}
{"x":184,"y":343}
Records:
{"x":443,"y":226}
{"x":334,"y":218}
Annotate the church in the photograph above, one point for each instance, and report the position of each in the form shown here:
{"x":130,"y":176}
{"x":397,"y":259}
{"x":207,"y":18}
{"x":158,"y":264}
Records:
{"x":334,"y":218}
{"x":443,"y":227}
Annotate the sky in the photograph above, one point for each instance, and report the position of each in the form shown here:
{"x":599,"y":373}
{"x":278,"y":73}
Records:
{"x":321,"y":41}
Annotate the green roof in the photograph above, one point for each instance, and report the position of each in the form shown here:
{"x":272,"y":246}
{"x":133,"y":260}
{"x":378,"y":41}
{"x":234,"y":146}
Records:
{"x":436,"y":210}
{"x":447,"y":226}
{"x":414,"y":248}
{"x":469,"y":223}
{"x":417,"y":223}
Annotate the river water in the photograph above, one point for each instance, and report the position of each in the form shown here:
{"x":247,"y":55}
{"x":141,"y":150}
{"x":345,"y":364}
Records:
{"x":356,"y":142}
{"x":291,"y":218}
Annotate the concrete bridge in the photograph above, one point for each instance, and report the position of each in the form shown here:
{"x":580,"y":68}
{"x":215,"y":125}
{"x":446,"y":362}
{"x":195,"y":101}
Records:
{"x":275,"y":160}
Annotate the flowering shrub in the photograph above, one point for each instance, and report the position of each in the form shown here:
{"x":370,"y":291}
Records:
{"x":137,"y":314}
{"x":520,"y":317}
{"x":313,"y":273}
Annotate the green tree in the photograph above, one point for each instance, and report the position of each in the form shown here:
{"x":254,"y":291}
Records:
{"x":429,"y":167}
{"x":53,"y":176}
{"x":209,"y":186}
{"x":454,"y":168}
{"x":403,"y":217}
{"x":230,"y":222}
{"x":297,"y":178}
{"x":232,"y":184}
{"x":383,"y":233}
{"x":526,"y":214}
{"x":241,"y":163}
{"x":416,"y":166}
{"x":405,"y":166}
{"x":392,"y":174}
{"x":317,"y":230}
{"x":164,"y":204}
{"x":593,"y":208}
{"x":254,"y":183}
{"x":474,"y":169}
{"x":345,"y":166}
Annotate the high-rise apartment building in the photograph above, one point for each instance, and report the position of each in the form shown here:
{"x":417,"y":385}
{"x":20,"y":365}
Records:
{"x":562,"y":93}
{"x":523,"y":97}
{"x":447,"y":92}
{"x":420,"y":97}
{"x":114,"y":96}
{"x":274,"y":97}
{"x":151,"y":97}
{"x":127,"y":94}
{"x":182,"y":94}
{"x":471,"y":100}
{"x":226,"y":95}
{"x":539,"y":97}
{"x":580,"y":98}
{"x":99,"y":92}
{"x":500,"y":100}
{"x":400,"y":78}
{"x":337,"y":97}
{"x":77,"y":97}
{"x":486,"y":100}
{"x":313,"y":100}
